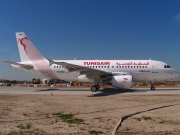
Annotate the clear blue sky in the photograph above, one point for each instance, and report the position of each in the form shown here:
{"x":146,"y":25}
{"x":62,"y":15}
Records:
{"x":91,"y":29}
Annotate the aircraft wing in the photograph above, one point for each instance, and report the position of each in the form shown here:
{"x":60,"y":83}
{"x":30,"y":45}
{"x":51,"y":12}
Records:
{"x":83,"y":70}
{"x":19,"y":64}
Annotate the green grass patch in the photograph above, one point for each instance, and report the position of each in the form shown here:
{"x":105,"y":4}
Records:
{"x":94,"y":132}
{"x":69,"y":118}
{"x":75,"y":121}
{"x":25,"y":114}
{"x":63,"y":117}
{"x":143,"y":118}
{"x":98,"y":118}
{"x":127,"y":129}
{"x":27,"y":126}
{"x":163,"y":121}
{"x":146,"y":118}
{"x":138,"y":119}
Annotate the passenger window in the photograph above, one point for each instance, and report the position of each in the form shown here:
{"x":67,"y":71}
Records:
{"x":117,"y":66}
{"x":104,"y":66}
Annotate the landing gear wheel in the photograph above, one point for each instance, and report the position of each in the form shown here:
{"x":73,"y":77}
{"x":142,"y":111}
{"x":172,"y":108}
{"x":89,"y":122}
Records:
{"x":152,"y":85}
{"x":153,"y":88}
{"x":94,"y":88}
{"x":97,"y":86}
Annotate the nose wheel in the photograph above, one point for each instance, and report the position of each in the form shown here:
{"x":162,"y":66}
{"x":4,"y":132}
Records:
{"x":152,"y":86}
{"x":95,"y":88}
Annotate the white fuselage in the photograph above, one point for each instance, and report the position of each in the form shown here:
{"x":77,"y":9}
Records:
{"x":118,"y":73}
{"x":141,"y":70}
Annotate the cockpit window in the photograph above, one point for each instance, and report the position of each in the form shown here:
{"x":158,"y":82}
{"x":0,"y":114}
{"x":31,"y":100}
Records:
{"x":167,"y":66}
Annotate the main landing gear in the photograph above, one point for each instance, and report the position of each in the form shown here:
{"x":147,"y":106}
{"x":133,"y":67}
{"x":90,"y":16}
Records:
{"x":94,"y":88}
{"x":152,"y":86}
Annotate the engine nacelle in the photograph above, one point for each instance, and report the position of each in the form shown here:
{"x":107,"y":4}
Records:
{"x":84,"y":78}
{"x":122,"y":81}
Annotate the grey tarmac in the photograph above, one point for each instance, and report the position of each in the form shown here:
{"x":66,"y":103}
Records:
{"x":85,"y":91}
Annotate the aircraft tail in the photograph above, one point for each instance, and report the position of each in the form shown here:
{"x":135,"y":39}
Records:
{"x":27,"y":50}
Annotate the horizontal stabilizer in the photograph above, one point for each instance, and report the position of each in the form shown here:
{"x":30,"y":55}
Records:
{"x":19,"y":64}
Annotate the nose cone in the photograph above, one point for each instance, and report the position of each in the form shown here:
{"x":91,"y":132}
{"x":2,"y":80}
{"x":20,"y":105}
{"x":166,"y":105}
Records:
{"x":175,"y":73}
{"x":171,"y":74}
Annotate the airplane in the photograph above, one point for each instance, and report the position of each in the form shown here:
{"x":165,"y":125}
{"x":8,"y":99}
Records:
{"x":118,"y":73}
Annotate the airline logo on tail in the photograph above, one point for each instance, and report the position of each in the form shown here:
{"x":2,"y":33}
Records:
{"x":27,"y":49}
{"x":21,"y":42}
{"x":28,"y":52}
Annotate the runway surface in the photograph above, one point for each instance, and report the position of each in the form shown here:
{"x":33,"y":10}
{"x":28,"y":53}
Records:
{"x":85,"y":91}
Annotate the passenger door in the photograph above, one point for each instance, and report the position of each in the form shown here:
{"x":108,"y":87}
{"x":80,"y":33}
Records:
{"x":154,"y":67}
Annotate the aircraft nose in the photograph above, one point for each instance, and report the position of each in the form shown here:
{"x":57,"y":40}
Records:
{"x":175,"y":73}
{"x":172,"y":73}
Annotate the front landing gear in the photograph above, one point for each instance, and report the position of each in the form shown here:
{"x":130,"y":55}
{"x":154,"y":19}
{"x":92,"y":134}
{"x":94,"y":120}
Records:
{"x":94,"y":88}
{"x":152,"y":86}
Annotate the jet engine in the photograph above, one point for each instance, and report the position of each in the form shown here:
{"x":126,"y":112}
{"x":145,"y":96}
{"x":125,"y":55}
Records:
{"x":83,"y":78}
{"x":122,"y":81}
